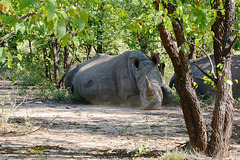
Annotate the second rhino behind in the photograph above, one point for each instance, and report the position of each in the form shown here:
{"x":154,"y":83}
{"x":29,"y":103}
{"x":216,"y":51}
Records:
{"x":207,"y":90}
{"x":131,"y":77}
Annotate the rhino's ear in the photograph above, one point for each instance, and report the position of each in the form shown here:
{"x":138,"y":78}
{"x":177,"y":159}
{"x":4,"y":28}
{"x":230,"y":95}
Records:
{"x":155,"y":58}
{"x":135,"y":61}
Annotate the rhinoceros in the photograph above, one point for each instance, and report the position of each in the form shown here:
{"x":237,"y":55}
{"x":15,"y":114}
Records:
{"x":131,"y":77}
{"x":206,"y":90}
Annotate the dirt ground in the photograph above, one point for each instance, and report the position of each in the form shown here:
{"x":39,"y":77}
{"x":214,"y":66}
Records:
{"x":60,"y":130}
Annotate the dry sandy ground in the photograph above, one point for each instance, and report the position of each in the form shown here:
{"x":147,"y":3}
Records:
{"x":75,"y":131}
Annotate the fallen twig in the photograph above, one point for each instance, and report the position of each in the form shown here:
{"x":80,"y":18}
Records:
{"x":49,"y":123}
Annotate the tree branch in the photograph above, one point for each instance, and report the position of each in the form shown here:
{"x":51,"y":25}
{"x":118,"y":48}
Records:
{"x":233,"y":42}
{"x":212,"y":78}
{"x":138,"y":19}
{"x":28,"y":15}
{"x":13,"y":32}
{"x":211,"y":63}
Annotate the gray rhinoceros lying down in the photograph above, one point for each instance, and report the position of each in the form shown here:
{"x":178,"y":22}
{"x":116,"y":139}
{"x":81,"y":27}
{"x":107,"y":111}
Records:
{"x":206,"y":89}
{"x":131,"y":77}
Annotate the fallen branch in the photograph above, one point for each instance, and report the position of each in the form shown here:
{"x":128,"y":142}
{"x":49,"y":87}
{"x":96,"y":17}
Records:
{"x":48,"y":124}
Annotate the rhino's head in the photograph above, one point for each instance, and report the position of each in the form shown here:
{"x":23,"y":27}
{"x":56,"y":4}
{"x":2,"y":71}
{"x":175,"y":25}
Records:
{"x":149,"y":81}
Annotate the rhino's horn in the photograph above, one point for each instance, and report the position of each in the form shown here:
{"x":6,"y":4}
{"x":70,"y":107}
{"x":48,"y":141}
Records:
{"x":149,"y":89}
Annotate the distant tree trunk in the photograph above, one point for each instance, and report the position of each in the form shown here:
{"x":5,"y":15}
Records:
{"x":88,"y":48}
{"x":99,"y":43}
{"x":30,"y":46}
{"x":66,"y":56}
{"x":188,"y":98}
{"x":142,"y":42}
{"x":56,"y":60}
{"x":222,"y":122}
{"x":191,"y":48}
{"x":100,"y":31}
{"x":46,"y":62}
{"x":71,"y":63}
{"x":66,"y":51}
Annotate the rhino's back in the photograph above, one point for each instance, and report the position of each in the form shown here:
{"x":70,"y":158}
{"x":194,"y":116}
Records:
{"x":97,"y":80}
{"x":204,"y":64}
{"x":235,"y":66}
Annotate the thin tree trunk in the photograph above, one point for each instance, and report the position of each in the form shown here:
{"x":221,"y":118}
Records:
{"x":192,"y":49}
{"x":46,"y":62}
{"x":142,"y":42}
{"x":88,"y":48}
{"x":66,"y":56}
{"x":66,"y":50}
{"x":223,"y":112}
{"x":56,"y":60}
{"x":30,"y":46}
{"x":71,"y":63}
{"x":188,"y":98}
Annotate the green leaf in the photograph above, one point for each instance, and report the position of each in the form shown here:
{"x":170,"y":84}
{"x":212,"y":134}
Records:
{"x":84,"y":15}
{"x":19,"y":67}
{"x":197,"y":42}
{"x":65,"y":40}
{"x":19,"y":57}
{"x":50,"y":9}
{"x":195,"y":84}
{"x":219,"y":73}
{"x":9,"y":64}
{"x":25,"y":3}
{"x":8,"y":19}
{"x":76,"y":41}
{"x":14,"y":21}
{"x":2,"y":55}
{"x":22,"y":28}
{"x":72,"y":10}
{"x":61,"y":28}
{"x":81,"y":24}
{"x":64,"y":15}
{"x":158,"y":20}
{"x":10,"y":57}
{"x":220,"y":65}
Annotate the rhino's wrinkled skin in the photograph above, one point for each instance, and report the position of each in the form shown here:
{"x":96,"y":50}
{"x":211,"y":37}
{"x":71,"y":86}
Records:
{"x":206,"y":89}
{"x":127,"y":78}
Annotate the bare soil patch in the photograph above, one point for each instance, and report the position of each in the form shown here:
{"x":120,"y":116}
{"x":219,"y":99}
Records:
{"x":76,"y":131}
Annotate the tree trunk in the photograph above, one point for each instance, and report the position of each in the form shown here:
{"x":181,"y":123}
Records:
{"x":222,"y":122}
{"x":66,"y":56}
{"x":56,"y":60}
{"x":191,"y":48}
{"x":66,"y":51}
{"x":142,"y":42}
{"x":188,"y":98}
{"x":88,"y":48}
{"x":45,"y":55}
{"x":99,"y":43}
{"x":30,"y":46}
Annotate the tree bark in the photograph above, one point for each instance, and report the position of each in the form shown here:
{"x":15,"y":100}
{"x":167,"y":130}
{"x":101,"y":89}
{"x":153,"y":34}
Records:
{"x":46,"y":62}
{"x":66,"y":56}
{"x":88,"y":48}
{"x":56,"y":60}
{"x":222,"y":122}
{"x":188,"y":98}
{"x":66,"y":51}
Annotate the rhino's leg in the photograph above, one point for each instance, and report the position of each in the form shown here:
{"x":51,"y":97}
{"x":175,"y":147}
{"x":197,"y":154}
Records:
{"x":168,"y":94}
{"x":134,"y":100}
{"x":172,"y":82}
